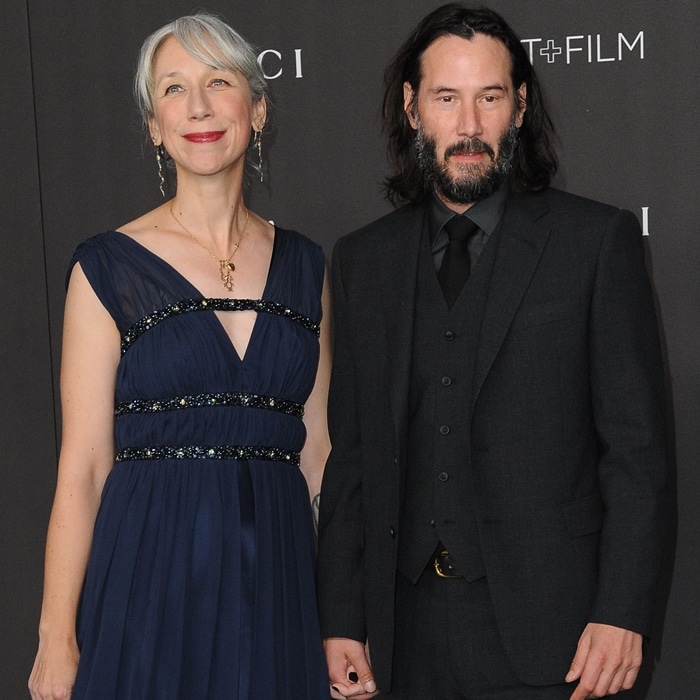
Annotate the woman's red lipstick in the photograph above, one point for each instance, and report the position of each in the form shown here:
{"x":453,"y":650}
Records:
{"x":204,"y":136}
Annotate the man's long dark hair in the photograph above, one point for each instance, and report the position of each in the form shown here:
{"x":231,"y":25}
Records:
{"x":534,"y":161}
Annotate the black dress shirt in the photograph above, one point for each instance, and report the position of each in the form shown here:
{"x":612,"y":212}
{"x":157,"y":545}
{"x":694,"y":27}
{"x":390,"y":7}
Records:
{"x":486,"y":214}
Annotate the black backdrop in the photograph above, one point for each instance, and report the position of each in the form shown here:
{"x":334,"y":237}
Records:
{"x":623,"y":81}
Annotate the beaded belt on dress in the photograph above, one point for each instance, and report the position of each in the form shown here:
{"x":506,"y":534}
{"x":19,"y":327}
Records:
{"x":269,"y":454}
{"x":238,"y":398}
{"x":231,"y":398}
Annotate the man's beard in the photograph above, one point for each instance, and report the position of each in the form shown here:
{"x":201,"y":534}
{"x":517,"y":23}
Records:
{"x":475,"y":182}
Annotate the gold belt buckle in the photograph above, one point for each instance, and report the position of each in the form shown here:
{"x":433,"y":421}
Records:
{"x":443,"y":566}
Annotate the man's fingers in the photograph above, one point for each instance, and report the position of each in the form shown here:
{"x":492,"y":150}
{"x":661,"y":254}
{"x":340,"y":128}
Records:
{"x":349,"y":669}
{"x":578,"y":663}
{"x":363,"y":675}
{"x":354,"y":691}
{"x":607,"y":661}
{"x":630,"y":678}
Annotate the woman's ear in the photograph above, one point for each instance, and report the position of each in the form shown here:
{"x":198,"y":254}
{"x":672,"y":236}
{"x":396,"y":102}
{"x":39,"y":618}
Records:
{"x":154,"y":131}
{"x":259,"y":114}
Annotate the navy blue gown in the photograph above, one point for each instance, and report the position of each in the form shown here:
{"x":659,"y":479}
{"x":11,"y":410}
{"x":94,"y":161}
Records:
{"x":200,"y":582}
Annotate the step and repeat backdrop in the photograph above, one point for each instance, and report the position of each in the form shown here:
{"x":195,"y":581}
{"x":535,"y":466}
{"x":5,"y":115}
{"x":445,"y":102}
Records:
{"x":623,"y":84}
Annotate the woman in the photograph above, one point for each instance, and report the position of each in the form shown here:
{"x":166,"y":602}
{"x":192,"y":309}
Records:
{"x":200,"y":323}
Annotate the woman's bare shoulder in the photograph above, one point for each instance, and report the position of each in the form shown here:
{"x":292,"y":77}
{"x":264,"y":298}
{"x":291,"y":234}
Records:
{"x":146,"y":224}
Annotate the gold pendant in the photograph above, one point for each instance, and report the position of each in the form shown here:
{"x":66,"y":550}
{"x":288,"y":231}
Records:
{"x":226,"y":269}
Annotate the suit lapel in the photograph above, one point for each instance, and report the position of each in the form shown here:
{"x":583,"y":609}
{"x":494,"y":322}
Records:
{"x":523,"y":237}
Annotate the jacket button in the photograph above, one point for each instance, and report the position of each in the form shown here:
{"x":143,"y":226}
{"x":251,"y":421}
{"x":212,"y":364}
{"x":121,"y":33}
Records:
{"x":446,"y":381}
{"x":449,"y":335}
{"x":392,"y":532}
{"x":444,"y":430}
{"x":443,"y":476}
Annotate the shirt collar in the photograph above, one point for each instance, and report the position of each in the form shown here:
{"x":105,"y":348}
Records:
{"x":485,"y":214}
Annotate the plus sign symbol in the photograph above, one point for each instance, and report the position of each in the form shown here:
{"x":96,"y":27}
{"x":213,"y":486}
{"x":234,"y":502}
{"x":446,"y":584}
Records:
{"x":551,"y":51}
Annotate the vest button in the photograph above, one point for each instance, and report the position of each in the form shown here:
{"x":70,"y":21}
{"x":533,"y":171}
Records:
{"x":443,"y":476}
{"x":444,"y":430}
{"x":446,"y":381}
{"x":449,"y":335}
{"x":392,"y":532}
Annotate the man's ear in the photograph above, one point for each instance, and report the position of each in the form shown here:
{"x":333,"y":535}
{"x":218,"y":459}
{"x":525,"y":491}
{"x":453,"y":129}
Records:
{"x":409,"y":97}
{"x":522,"y":104}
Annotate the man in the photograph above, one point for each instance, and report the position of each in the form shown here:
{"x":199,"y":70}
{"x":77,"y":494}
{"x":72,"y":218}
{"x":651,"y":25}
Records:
{"x":492,"y":510}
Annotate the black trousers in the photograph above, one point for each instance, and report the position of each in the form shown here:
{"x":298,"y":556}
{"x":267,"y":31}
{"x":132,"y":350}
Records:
{"x":447,"y":646}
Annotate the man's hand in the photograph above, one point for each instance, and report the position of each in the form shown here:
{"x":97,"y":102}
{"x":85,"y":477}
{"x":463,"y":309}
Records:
{"x":607,"y":661}
{"x":349,"y":669}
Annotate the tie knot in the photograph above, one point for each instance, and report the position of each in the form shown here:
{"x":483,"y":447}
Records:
{"x":460,"y":228}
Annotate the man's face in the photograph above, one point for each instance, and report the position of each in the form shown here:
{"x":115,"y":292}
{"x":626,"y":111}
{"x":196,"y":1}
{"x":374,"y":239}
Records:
{"x":466,"y":117}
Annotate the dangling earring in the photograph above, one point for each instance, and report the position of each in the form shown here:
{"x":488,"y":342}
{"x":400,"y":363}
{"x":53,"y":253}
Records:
{"x":257,"y":143}
{"x":159,"y":160}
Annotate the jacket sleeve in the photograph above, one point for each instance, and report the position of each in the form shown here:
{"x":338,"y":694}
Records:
{"x":341,"y":520}
{"x":627,"y":396}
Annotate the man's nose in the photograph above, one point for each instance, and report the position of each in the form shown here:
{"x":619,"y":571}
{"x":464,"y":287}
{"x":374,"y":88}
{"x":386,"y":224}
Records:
{"x":469,"y":123}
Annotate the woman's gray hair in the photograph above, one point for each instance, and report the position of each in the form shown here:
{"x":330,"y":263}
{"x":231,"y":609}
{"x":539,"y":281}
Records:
{"x":208,"y":39}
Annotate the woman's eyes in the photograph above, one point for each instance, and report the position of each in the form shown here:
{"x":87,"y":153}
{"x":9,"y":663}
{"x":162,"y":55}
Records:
{"x":214,"y":82}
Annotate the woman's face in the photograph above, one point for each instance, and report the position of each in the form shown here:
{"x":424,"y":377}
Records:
{"x":201,"y":114}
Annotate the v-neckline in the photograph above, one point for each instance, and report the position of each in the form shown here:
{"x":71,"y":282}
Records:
{"x":197,"y":293}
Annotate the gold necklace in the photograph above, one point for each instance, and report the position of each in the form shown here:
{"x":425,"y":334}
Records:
{"x":226,"y":266}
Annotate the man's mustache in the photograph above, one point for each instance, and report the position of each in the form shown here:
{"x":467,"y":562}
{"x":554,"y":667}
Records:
{"x":467,"y":146}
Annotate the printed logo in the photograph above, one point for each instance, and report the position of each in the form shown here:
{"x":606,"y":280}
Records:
{"x":592,"y":48}
{"x":275,"y":64}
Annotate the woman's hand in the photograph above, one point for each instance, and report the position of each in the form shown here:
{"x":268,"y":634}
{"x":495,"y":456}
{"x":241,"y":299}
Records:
{"x":54,"y":671}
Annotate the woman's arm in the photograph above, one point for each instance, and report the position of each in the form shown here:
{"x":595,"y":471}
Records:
{"x":318,"y":444}
{"x":88,"y":370}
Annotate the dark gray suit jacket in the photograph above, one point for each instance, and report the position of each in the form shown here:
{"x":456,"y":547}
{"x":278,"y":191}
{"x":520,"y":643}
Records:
{"x":567,"y":430}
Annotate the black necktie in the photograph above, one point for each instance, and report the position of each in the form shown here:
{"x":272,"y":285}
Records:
{"x":454,"y":270}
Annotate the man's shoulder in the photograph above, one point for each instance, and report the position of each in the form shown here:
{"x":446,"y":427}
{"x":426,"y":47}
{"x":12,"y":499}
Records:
{"x":570,"y":217}
{"x":564,"y":203}
{"x":386,"y":228}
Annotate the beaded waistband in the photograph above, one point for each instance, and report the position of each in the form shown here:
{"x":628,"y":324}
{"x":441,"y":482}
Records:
{"x":238,"y":452}
{"x":238,"y":398}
